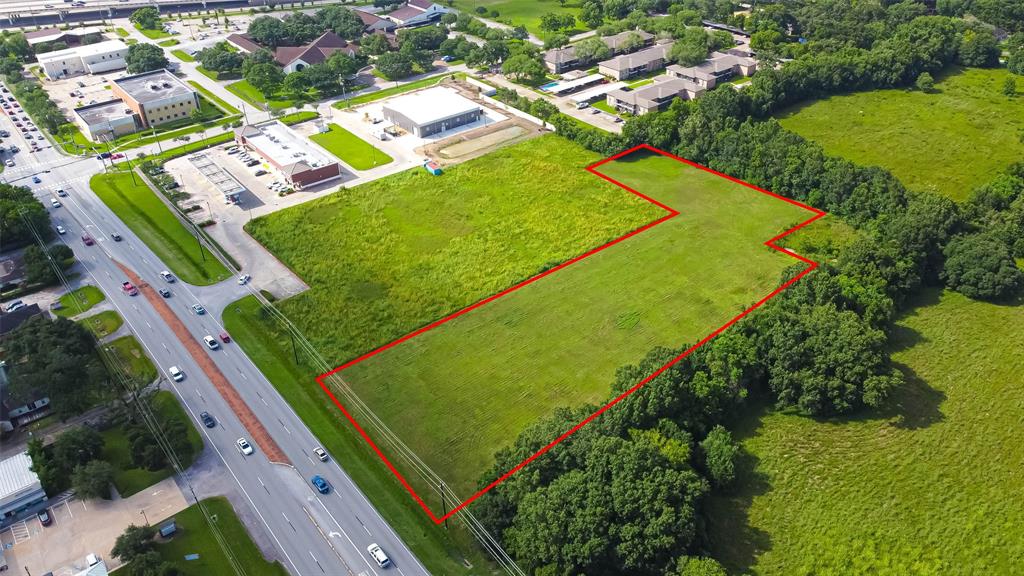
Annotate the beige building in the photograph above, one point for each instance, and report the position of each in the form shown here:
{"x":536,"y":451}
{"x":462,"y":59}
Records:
{"x":636,"y":64}
{"x":88,"y":59}
{"x":719,"y":67}
{"x":140,"y":101}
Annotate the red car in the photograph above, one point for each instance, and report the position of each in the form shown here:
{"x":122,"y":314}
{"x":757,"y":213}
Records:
{"x":128,"y":289}
{"x":117,"y":156}
{"x":88,"y":240}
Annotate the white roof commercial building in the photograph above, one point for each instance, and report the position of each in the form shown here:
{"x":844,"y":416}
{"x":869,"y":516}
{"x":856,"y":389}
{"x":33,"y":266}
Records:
{"x":19,"y":485}
{"x":431,"y":111}
{"x":301,"y":162}
{"x":88,"y":59}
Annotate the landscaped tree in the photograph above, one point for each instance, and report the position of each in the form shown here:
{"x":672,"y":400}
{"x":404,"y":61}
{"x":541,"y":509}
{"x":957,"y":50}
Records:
{"x":631,"y":42}
{"x":553,"y":21}
{"x":20,"y":212}
{"x":342,"y":21}
{"x":261,"y":56}
{"x":133,"y":542}
{"x":51,"y":474}
{"x":925,"y":82}
{"x":266,"y":78}
{"x":374,"y":44}
{"x":147,"y":18}
{"x":393,"y":65}
{"x":698,"y":566}
{"x":720,"y":456}
{"x":343,"y":66}
{"x":522,"y":68}
{"x":93,"y":480}
{"x":981,"y":267}
{"x":58,"y":359}
{"x":220,"y":59}
{"x":691,"y":48}
{"x":144,"y":57}
{"x":268,"y":31}
{"x":301,"y":28}
{"x":592,"y":49}
{"x":78,"y":445}
{"x":591,"y":14}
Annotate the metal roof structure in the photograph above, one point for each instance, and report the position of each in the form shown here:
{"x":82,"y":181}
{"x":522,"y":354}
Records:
{"x":220,"y":178}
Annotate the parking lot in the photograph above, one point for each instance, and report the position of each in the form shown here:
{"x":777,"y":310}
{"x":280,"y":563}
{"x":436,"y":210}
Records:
{"x":80,"y":528}
{"x":87,"y":90}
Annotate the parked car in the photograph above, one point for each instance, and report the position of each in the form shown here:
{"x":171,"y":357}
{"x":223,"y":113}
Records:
{"x":88,"y":241}
{"x":243,"y":446}
{"x":260,"y":172}
{"x":198,"y":309}
{"x":211,"y":342}
{"x":167,"y":276}
{"x":208,"y":420}
{"x":320,"y":453}
{"x":321,"y":485}
{"x":117,"y":156}
{"x":9,"y":162}
{"x":12,"y":306}
{"x":164,"y":292}
{"x":378,"y":555}
{"x":176,"y":374}
{"x":44,"y":517}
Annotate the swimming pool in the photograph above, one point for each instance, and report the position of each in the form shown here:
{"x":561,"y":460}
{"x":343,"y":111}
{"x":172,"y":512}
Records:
{"x":549,"y":85}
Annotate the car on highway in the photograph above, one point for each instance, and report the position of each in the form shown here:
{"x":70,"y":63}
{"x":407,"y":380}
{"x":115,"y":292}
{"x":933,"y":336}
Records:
{"x":378,"y":555}
{"x":61,"y":193}
{"x":166,"y":276}
{"x":224,"y":337}
{"x":87,"y":240}
{"x":44,"y":517}
{"x":208,"y":420}
{"x":243,"y":446}
{"x":36,"y":179}
{"x":320,"y":453}
{"x":176,"y":374}
{"x":128,"y":289}
{"x":164,"y":292}
{"x":244,"y":279}
{"x":211,"y":342}
{"x":320,"y":484}
{"x":60,"y":229}
{"x":115,"y":236}
{"x":198,"y":309}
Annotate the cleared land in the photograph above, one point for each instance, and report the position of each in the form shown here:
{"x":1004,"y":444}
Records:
{"x":948,"y":141}
{"x":350,"y":148}
{"x":931,"y":486}
{"x":138,"y":206}
{"x":412,"y":248}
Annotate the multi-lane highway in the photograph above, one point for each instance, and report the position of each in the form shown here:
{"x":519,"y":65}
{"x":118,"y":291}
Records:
{"x":313,"y":533}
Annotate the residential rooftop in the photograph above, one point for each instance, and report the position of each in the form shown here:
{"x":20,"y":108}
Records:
{"x":155,"y":85}
{"x":638,"y":59}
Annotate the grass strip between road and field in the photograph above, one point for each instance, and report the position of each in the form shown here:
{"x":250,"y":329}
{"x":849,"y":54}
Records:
{"x":350,"y":148}
{"x":103,"y":324}
{"x":377,"y":95}
{"x":250,"y":94}
{"x":138,"y":206}
{"x":214,"y":98}
{"x":79,"y":300}
{"x":183,"y":56}
{"x":195,"y":536}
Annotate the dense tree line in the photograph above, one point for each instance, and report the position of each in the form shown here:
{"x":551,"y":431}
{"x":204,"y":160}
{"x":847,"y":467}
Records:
{"x":298,"y":28}
{"x":36,"y":102}
{"x":818,"y":348}
{"x":61,"y":465}
{"x":20,"y":213}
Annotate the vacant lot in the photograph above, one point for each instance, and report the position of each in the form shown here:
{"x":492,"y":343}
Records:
{"x":152,"y":221}
{"x":949,"y":141}
{"x":930,"y":486}
{"x":350,"y":148}
{"x":459,"y":392}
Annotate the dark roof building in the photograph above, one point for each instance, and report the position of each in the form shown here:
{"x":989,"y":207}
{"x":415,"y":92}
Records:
{"x":294,"y":58}
{"x":243,"y":42}
{"x":373,"y":23}
{"x":416,"y":13}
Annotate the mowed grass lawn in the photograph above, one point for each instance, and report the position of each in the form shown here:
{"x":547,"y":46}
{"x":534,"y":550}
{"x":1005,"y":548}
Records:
{"x":138,"y":206}
{"x":195,"y":536}
{"x":79,"y":300}
{"x":247,"y":92}
{"x":461,"y":391}
{"x":949,"y":141}
{"x":102,"y":324}
{"x":523,"y":12}
{"x":930,"y":486}
{"x":350,"y":148}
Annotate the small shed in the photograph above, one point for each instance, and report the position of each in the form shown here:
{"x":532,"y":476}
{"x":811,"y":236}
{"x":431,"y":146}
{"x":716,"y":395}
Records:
{"x":168,"y":530}
{"x":432,"y":167}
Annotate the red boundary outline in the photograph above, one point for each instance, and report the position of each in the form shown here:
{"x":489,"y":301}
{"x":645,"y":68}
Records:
{"x":811,"y":265}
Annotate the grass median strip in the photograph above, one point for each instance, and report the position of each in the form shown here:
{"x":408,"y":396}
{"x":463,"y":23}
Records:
{"x":139,"y":207}
{"x":371,"y":96}
{"x":351,"y":149}
{"x":79,"y":300}
{"x":183,"y":56}
{"x":103,"y":324}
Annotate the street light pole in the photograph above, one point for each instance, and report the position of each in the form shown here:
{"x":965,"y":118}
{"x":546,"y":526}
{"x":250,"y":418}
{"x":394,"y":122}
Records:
{"x":144,"y":517}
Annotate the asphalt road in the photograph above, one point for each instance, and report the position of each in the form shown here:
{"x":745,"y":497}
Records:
{"x":315,"y":534}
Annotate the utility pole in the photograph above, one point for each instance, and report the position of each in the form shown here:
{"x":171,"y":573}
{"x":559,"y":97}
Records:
{"x":444,"y":504}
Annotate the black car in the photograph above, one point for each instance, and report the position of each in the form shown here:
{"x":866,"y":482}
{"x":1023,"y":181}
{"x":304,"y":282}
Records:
{"x":164,"y":292}
{"x":208,"y":420}
{"x":44,"y":517}
{"x":114,"y":235}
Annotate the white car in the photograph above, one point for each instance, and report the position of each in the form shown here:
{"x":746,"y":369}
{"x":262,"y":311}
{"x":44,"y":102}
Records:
{"x":176,"y":374}
{"x":244,"y":279}
{"x":60,"y":229}
{"x":320,"y":453}
{"x":166,"y":276}
{"x":243,"y":446}
{"x":378,"y":555}
{"x":211,"y":342}
{"x":10,"y":162}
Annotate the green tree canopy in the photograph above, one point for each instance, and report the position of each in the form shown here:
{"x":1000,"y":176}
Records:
{"x":143,"y":57}
{"x":147,"y":18}
{"x":20,"y":212}
{"x":980,"y":266}
{"x":93,"y":479}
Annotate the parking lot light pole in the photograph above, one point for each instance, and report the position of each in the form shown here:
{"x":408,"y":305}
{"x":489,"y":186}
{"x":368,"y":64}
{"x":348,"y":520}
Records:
{"x":144,"y":517}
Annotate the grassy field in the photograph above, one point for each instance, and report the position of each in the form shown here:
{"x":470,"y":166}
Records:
{"x":407,"y":250}
{"x":930,"y":486}
{"x":228,"y":108}
{"x":377,"y":95}
{"x":153,"y":34}
{"x":949,"y":141}
{"x":117,"y":449}
{"x":132,"y":357}
{"x":79,"y":300}
{"x":350,"y":148}
{"x":523,"y":12}
{"x":246,"y":92}
{"x":121,"y":32}
{"x":103,"y":324}
{"x":195,"y":536}
{"x":183,"y":56}
{"x":147,"y":216}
